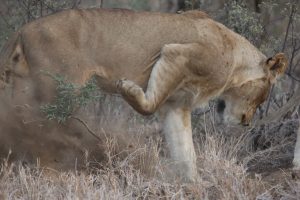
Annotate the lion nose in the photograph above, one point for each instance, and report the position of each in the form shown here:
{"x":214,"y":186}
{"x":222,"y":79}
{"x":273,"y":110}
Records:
{"x":221,"y":106}
{"x":244,"y":120}
{"x":246,"y":124}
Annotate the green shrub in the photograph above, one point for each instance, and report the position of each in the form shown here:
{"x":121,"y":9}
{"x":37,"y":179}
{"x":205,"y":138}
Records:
{"x":69,"y":98}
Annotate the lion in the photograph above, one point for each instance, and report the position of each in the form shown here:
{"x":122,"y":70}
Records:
{"x":158,"y":62}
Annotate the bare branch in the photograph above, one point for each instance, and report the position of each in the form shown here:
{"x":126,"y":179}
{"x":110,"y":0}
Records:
{"x":278,"y":114}
{"x":88,"y":128}
{"x":290,"y":23}
{"x":269,"y":99}
{"x":293,"y":77}
{"x":76,"y":3}
{"x":7,"y":23}
{"x":291,"y":18}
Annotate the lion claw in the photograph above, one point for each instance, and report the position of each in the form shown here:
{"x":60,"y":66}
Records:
{"x":119,"y":83}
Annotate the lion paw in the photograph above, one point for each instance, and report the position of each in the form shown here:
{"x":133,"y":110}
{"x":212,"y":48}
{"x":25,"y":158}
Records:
{"x":129,"y":89}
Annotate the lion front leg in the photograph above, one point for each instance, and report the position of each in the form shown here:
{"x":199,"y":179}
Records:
{"x":178,"y":133}
{"x":166,"y":76}
{"x":135,"y":96}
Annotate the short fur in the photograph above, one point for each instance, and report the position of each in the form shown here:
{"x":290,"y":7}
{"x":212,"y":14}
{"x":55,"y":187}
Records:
{"x":171,"y":62}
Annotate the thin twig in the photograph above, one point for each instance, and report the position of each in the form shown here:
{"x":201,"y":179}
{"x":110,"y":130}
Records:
{"x":294,"y":45}
{"x":41,"y":8}
{"x":294,"y":55}
{"x":288,"y":27}
{"x":7,"y":23}
{"x":292,"y":77}
{"x":26,"y":8}
{"x":76,"y":3}
{"x":87,"y":127}
{"x":269,"y":99}
{"x":278,"y":114}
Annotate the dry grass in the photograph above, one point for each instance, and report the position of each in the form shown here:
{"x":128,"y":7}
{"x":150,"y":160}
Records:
{"x":140,"y":173}
{"x":137,"y":167}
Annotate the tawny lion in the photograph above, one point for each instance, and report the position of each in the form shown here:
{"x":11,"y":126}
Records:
{"x":168,"y":62}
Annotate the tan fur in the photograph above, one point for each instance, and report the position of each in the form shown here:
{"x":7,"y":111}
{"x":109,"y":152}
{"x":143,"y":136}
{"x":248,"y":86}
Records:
{"x":155,"y":60}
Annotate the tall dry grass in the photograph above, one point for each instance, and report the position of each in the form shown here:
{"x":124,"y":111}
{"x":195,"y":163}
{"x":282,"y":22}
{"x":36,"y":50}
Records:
{"x":137,"y":166}
{"x":141,"y":173}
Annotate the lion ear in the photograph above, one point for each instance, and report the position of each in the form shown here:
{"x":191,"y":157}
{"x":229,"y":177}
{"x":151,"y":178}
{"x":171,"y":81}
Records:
{"x":277,"y":64}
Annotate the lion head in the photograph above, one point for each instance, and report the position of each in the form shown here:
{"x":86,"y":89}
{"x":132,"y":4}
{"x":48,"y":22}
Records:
{"x":238,"y":104}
